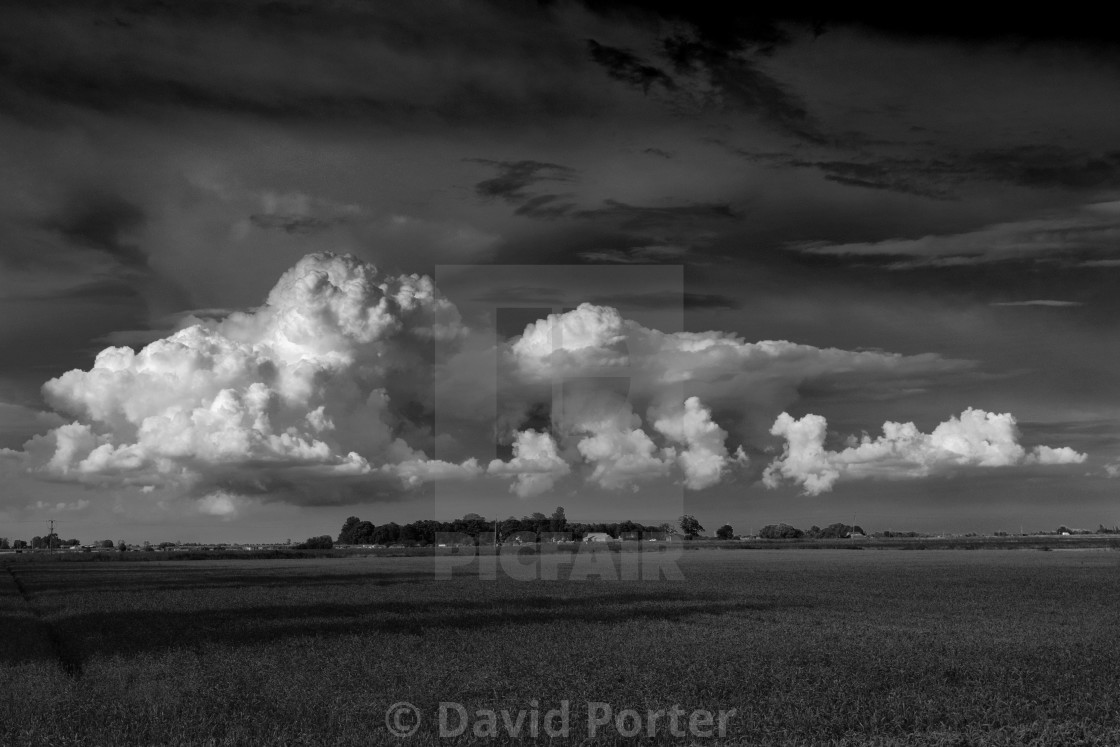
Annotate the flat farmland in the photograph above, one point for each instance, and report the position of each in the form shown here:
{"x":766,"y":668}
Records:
{"x":805,"y":646}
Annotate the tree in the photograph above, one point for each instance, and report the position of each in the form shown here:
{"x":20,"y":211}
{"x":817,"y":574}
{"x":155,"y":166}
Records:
{"x":322,"y":542}
{"x":558,"y":521}
{"x":690,"y":526}
{"x":780,"y":531}
{"x":4,"y":544}
{"x":725,"y":532}
{"x":386,"y":533}
{"x":346,"y":536}
{"x":121,"y":546}
{"x":107,"y":544}
{"x":363,"y":533}
{"x":19,"y":544}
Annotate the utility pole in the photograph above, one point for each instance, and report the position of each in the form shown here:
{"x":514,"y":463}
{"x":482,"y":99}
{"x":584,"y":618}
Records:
{"x":50,"y":537}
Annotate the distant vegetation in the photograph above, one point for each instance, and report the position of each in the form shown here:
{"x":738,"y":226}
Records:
{"x":425,"y":532}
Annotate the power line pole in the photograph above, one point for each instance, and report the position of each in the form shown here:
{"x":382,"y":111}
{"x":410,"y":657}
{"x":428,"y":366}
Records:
{"x":50,"y":537}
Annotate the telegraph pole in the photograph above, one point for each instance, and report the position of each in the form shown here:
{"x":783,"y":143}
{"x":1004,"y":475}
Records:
{"x":50,"y":537}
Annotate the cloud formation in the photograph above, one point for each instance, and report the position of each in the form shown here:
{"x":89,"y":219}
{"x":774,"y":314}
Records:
{"x":751,"y":380}
{"x":535,"y":467}
{"x":704,"y":457}
{"x":1085,"y":236}
{"x":324,"y":394}
{"x":975,"y":439}
{"x":293,"y":393}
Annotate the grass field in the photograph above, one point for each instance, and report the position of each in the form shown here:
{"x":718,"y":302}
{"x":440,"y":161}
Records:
{"x":807,"y":646}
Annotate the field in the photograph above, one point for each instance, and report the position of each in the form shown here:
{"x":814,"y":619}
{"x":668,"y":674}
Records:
{"x":807,"y":647}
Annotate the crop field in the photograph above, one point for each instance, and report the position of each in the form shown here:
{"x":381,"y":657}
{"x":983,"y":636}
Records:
{"x":803,"y":646}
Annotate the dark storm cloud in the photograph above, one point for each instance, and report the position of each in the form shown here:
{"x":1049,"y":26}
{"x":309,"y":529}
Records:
{"x":724,"y":47}
{"x":291,"y":224}
{"x":112,"y":89}
{"x":624,"y":65}
{"x":313,"y":63}
{"x":883,"y":175}
{"x":546,"y":206}
{"x":1083,"y":236}
{"x":515,"y":176}
{"x":521,"y":295}
{"x":668,"y":300}
{"x":1048,"y":166}
{"x":765,"y":24}
{"x":742,"y":83}
{"x":102,"y":290}
{"x":941,"y":174}
{"x":638,"y":255}
{"x":638,"y":217}
{"x":102,"y":222}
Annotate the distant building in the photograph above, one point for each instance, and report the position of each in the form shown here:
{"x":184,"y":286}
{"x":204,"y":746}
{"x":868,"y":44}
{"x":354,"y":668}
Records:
{"x":596,"y":537}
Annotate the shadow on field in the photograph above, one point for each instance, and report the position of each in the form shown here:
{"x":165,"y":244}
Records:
{"x":24,"y":639}
{"x":134,"y":632}
{"x":45,"y":583}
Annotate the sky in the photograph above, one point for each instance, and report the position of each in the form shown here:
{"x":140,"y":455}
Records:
{"x":264,"y":266}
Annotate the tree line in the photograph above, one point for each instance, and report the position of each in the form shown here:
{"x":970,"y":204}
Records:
{"x":786,"y":531}
{"x":355,"y":531}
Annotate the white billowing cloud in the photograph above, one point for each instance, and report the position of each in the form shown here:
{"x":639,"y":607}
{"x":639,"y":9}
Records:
{"x":704,"y":457}
{"x":622,"y":456}
{"x":976,"y":438}
{"x":536,"y":464}
{"x":754,"y":380}
{"x":61,"y":506}
{"x":1060,"y":455}
{"x":324,"y":394}
{"x":294,"y":390}
{"x":417,"y":471}
{"x":222,"y":504}
{"x":677,"y":379}
{"x":611,"y":439}
{"x":600,"y":429}
{"x":587,"y":337}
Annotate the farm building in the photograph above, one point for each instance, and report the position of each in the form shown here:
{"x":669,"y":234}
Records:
{"x":596,"y":537}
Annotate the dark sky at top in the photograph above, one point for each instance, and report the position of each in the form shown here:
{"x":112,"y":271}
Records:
{"x":918,"y":184}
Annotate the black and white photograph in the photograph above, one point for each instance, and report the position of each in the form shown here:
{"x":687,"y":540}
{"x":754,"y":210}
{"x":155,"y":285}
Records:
{"x":568,"y":372}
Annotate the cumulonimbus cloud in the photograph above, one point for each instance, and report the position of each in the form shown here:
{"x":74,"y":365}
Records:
{"x":722,"y":369}
{"x":325,"y":394}
{"x":536,"y":464}
{"x":974,"y":439}
{"x":293,"y":392}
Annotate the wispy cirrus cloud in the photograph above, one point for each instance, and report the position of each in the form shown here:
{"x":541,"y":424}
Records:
{"x":1039,"y":302}
{"x":1085,"y":236}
